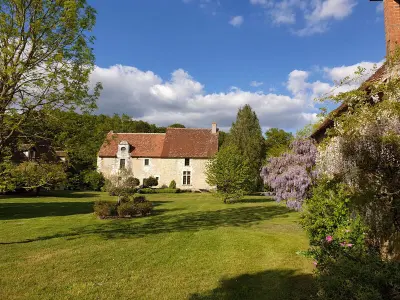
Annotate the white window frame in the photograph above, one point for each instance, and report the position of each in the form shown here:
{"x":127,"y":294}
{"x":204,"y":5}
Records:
{"x":187,"y":175}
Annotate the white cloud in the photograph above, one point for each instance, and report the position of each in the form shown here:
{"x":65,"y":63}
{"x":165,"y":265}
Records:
{"x":256,"y":83}
{"x":145,"y":95}
{"x":306,"y":17}
{"x":236,"y":21}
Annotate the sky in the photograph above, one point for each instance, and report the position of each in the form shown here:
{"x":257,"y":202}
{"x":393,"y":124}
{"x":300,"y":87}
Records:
{"x":198,"y":61}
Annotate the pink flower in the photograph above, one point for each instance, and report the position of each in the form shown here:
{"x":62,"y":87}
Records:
{"x":347,"y":230}
{"x":343,"y":244}
{"x":329,"y":238}
{"x":349,"y":245}
{"x":315,"y":263}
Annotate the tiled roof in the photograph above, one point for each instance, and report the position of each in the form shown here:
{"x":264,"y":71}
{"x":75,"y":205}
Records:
{"x":141,"y":144}
{"x":187,"y":142}
{"x":177,"y":142}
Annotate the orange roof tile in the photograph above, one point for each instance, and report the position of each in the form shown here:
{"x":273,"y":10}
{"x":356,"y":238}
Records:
{"x":177,"y":142}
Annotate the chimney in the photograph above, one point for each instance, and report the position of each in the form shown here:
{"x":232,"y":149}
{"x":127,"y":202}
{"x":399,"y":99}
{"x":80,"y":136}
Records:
{"x":392,"y":25}
{"x":214,"y":127}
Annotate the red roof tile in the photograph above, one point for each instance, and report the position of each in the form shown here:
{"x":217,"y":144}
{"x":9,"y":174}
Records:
{"x":142,"y":144}
{"x":187,"y":142}
{"x":177,"y":142}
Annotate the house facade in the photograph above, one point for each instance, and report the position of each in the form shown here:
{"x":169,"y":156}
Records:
{"x":180,"y":154}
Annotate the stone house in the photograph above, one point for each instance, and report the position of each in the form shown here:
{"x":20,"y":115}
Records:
{"x":180,"y":154}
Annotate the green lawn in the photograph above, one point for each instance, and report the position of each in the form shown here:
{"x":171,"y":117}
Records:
{"x":193,"y":247}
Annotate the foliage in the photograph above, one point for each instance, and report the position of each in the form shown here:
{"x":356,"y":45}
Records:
{"x":292,"y":174}
{"x":131,"y":182}
{"x":139,"y":199}
{"x":32,"y":175}
{"x":45,"y":61}
{"x":151,"y":181}
{"x":222,"y":138}
{"x":347,"y":265}
{"x":105,"y":209}
{"x":230,"y":173}
{"x":176,"y":125}
{"x":126,"y":209}
{"x":277,"y":142}
{"x":164,"y":186}
{"x":7,"y":182}
{"x":172,"y":184}
{"x":246,"y":136}
{"x":93,"y":180}
{"x":158,"y":191}
{"x":144,"y":208}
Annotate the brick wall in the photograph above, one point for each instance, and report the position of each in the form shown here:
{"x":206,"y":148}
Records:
{"x":392,"y":24}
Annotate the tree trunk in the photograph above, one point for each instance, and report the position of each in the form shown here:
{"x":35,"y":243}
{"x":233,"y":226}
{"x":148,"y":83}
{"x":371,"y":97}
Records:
{"x":37,"y":191}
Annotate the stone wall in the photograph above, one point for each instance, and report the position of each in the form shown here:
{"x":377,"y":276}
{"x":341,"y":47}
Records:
{"x":166,"y":169}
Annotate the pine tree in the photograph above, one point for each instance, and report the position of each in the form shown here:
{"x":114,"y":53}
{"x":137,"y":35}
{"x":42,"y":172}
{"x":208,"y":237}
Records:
{"x":247,"y":136}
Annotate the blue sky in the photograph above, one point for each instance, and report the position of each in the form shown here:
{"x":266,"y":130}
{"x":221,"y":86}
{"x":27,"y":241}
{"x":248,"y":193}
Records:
{"x":198,"y":61}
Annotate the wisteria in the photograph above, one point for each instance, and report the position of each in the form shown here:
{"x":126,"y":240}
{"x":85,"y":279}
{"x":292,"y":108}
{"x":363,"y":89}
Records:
{"x":291,"y":174}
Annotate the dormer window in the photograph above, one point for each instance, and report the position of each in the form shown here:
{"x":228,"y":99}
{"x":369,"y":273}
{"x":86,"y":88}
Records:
{"x":123,"y":149}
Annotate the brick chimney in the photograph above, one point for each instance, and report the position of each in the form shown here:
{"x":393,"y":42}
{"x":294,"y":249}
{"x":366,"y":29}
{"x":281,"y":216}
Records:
{"x":214,"y":127}
{"x":392,"y":25}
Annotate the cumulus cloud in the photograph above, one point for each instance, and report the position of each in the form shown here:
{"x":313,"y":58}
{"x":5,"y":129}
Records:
{"x":182,"y":99}
{"x":256,"y":83}
{"x":306,"y":17}
{"x":236,"y":21}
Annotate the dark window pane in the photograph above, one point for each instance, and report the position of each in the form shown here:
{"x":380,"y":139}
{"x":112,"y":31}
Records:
{"x":188,"y":180}
{"x":122,"y":164}
{"x":187,"y":161}
{"x":146,"y":162}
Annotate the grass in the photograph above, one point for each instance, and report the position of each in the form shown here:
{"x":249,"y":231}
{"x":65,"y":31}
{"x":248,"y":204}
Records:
{"x":193,"y":247}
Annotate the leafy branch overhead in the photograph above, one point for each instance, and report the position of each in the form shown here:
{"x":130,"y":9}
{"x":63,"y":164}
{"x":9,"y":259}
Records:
{"x":45,"y":60}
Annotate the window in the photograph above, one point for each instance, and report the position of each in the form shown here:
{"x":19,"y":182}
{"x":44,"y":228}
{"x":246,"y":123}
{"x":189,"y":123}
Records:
{"x":186,"y":177}
{"x":147,"y":162}
{"x":123,"y":149}
{"x":122,"y":164}
{"x":187,"y":161}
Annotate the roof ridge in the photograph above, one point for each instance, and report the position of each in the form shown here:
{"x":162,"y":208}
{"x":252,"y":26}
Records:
{"x":190,"y":128}
{"x":160,"y":133}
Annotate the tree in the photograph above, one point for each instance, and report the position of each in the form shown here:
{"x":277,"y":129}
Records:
{"x":247,"y":136}
{"x":34,"y":175}
{"x":292,"y":174}
{"x":176,"y":125}
{"x":45,"y":61}
{"x":222,"y":138}
{"x":151,"y":181}
{"x":230,"y":173}
{"x":277,"y":141}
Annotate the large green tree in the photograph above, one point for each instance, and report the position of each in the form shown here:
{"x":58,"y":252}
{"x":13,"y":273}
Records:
{"x":277,"y":141}
{"x":247,"y":136}
{"x":230,"y":173}
{"x":45,"y":61}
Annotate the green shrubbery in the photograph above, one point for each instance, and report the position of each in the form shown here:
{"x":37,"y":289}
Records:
{"x":347,"y":264}
{"x":104,"y":209}
{"x":172,"y":184}
{"x":151,"y":181}
{"x":92,"y":180}
{"x":162,"y":191}
{"x":127,"y":207}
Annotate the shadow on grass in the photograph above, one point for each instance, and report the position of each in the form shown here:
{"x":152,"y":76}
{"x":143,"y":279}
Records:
{"x":55,"y":194}
{"x":195,"y":221}
{"x":255,"y":200}
{"x":28,"y":210}
{"x":271,"y":285}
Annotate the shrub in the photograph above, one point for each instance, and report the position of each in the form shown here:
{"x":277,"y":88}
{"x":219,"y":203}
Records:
{"x":166,"y":191}
{"x":139,"y":199}
{"x":108,"y":185}
{"x":144,"y":208}
{"x":93,"y":180}
{"x":104,"y":209}
{"x":124,"y":199}
{"x":131,"y":182}
{"x":172,"y":185}
{"x":151,"y":181}
{"x":146,"y":191}
{"x":127,"y":209}
{"x":164,"y":186}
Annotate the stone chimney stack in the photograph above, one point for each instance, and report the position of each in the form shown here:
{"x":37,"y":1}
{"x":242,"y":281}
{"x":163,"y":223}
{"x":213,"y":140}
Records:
{"x":214,"y":127}
{"x":392,"y":25}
